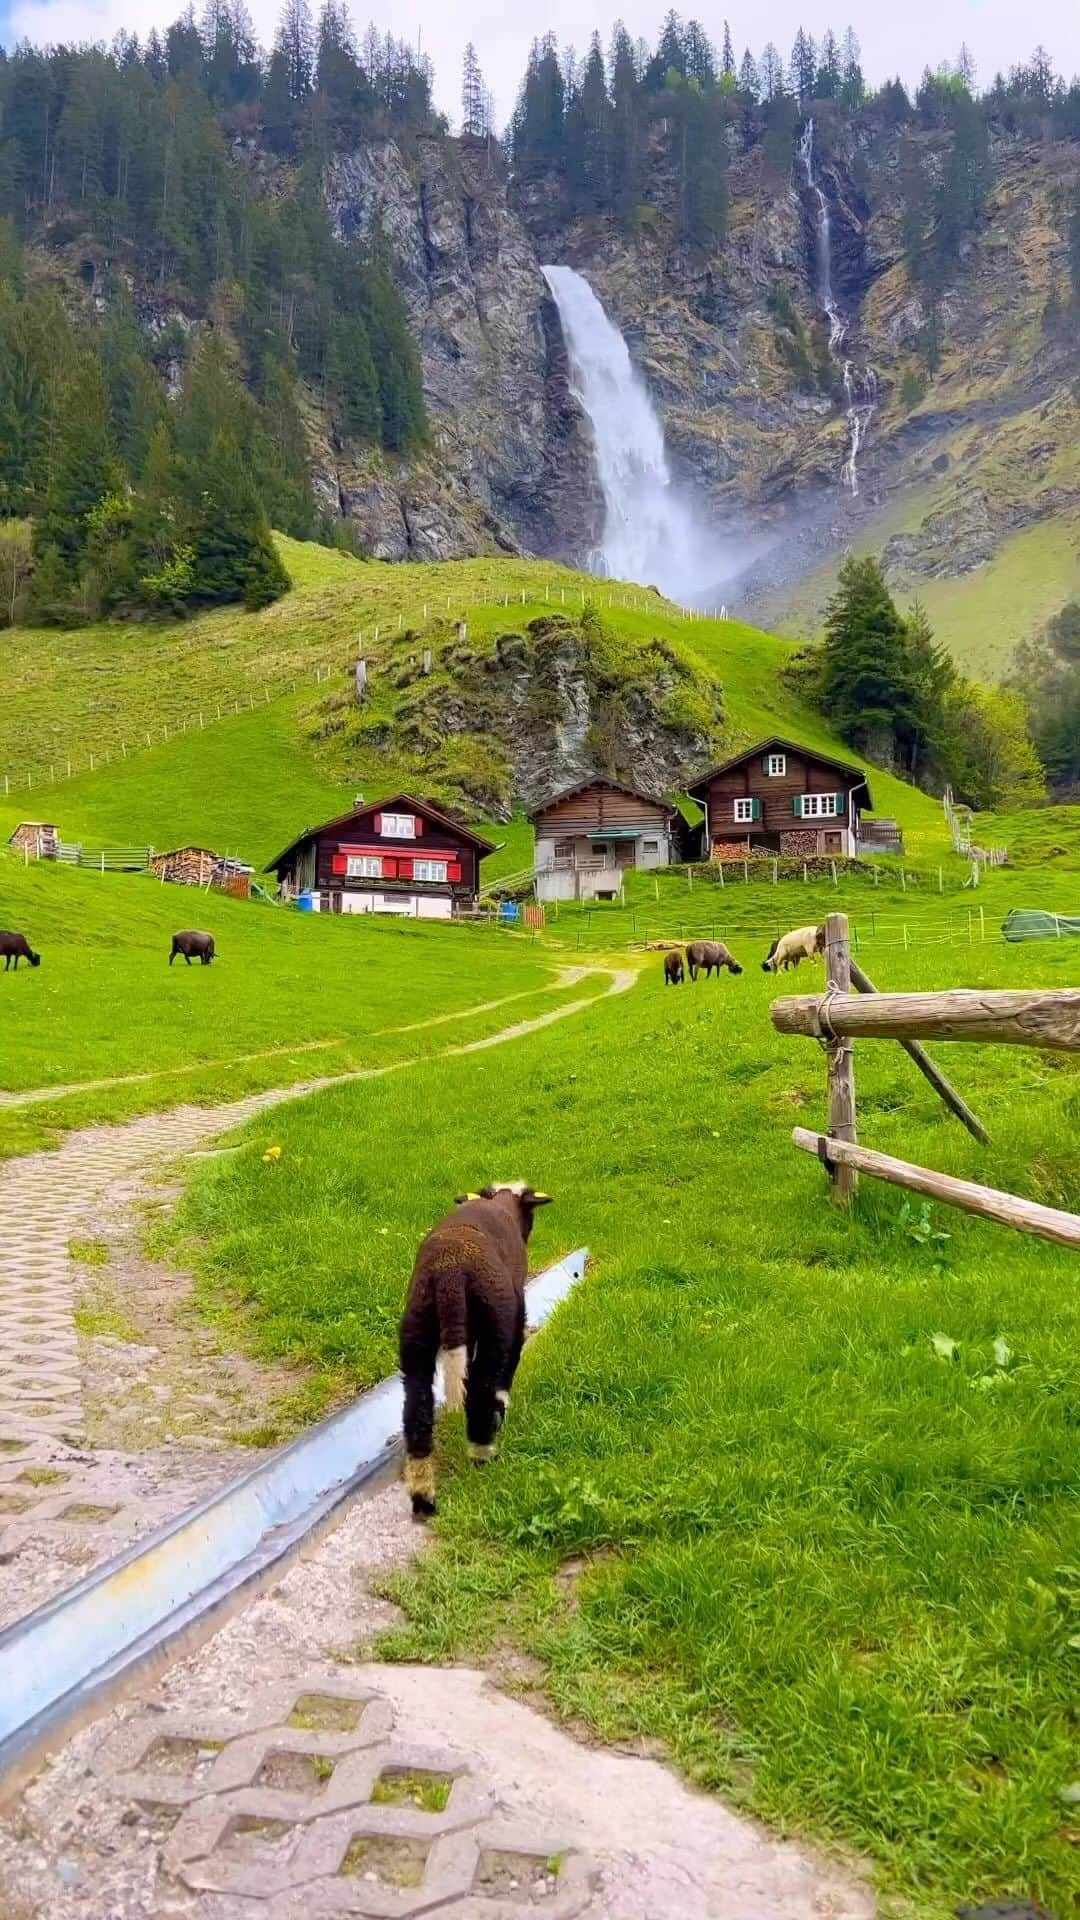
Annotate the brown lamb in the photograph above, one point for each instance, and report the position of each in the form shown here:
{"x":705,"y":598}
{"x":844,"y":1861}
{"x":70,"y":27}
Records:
{"x":466,"y":1305}
{"x":673,"y":969}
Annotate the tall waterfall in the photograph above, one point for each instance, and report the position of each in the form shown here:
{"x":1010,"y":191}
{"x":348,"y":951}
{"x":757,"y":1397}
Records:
{"x":650,"y":533}
{"x":860,"y":384}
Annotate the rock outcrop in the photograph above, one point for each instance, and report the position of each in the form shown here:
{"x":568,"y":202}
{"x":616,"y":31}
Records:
{"x":510,"y":465}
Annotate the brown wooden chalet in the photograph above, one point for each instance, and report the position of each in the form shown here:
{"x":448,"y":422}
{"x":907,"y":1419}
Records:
{"x":400,"y":855}
{"x":781,"y":798}
{"x":588,"y":835}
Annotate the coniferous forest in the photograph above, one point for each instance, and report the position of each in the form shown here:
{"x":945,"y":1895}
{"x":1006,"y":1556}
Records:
{"x":146,"y":457}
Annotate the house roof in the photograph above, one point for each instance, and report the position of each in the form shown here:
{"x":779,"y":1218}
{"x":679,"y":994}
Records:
{"x":583,"y":786}
{"x":188,"y":846}
{"x":776,"y":742}
{"x":394,"y":802}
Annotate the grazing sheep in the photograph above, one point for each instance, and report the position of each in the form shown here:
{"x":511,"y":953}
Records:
{"x":710,"y":956}
{"x":673,"y":969}
{"x":466,"y":1305}
{"x":16,"y":946}
{"x":193,"y":945}
{"x":802,"y":943}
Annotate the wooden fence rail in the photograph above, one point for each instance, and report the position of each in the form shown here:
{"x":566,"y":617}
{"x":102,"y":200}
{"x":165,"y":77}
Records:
{"x":1028,"y":1019}
{"x":837,"y":1017}
{"x":1007,"y":1208}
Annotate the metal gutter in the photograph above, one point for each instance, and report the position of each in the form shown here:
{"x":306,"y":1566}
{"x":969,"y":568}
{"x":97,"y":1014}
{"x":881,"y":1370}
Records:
{"x":66,"y":1654}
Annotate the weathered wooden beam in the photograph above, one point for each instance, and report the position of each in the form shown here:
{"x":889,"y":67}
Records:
{"x":927,"y":1068}
{"x":1026,"y":1019}
{"x":1006,"y":1208}
{"x":841,"y":1057}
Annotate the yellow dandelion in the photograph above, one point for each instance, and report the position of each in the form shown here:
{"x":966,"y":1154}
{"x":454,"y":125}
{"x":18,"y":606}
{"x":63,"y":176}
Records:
{"x":272,"y":1154}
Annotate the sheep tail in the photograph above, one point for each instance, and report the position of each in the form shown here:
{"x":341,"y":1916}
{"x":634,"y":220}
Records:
{"x":450,"y":1306}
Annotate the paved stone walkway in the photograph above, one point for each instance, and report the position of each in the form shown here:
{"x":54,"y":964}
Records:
{"x":270,"y":1776}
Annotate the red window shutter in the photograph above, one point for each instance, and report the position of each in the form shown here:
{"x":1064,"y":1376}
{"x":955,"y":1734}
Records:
{"x":389,"y":867}
{"x":453,"y":871}
{"x":404,"y":867}
{"x":418,"y":825}
{"x":378,"y":823}
{"x":339,"y":863}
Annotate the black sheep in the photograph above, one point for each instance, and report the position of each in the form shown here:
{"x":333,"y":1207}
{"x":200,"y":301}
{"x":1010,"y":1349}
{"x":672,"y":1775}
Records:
{"x":199,"y":946}
{"x":16,"y":946}
{"x":466,"y":1304}
{"x":673,"y":969}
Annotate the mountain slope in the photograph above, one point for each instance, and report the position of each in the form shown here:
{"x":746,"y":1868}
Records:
{"x":247,"y":782}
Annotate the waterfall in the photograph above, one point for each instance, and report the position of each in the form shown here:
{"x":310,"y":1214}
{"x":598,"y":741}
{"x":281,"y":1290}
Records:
{"x":860,"y":388}
{"x":651,"y":534}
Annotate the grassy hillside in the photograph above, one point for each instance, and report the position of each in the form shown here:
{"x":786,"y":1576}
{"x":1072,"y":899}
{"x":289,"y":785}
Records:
{"x":290,"y":996}
{"x":246,"y":783}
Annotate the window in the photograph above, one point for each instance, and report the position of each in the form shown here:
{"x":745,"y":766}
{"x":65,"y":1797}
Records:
{"x":776,"y":764}
{"x":651,"y":846}
{"x":363,"y":866}
{"x":744,"y":812}
{"x":429,"y":870}
{"x":819,"y":806}
{"x":399,"y":826}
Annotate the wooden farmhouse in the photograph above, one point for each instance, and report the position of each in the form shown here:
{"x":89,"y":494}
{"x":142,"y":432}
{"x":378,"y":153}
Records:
{"x":781,"y":798}
{"x":588,"y":836}
{"x":397,"y":856}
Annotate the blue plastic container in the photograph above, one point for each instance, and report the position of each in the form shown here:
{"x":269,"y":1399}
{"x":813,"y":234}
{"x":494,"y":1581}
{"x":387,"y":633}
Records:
{"x":306,"y":901}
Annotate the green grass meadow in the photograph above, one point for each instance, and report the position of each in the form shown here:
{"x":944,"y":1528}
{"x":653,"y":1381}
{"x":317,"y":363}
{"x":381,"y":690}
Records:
{"x":794,"y":1493}
{"x":815,"y":1477}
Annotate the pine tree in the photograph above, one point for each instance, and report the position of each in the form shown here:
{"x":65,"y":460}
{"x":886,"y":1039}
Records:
{"x":83,"y":467}
{"x":749,"y":78}
{"x":727,"y":63}
{"x":803,"y":68}
{"x":699,"y":55}
{"x":867,"y":687}
{"x":770,"y":72}
{"x":234,"y":557}
{"x":295,"y":40}
{"x":851,"y":86}
{"x":828,"y":81}
{"x":626,"y":149}
{"x":474,"y":97}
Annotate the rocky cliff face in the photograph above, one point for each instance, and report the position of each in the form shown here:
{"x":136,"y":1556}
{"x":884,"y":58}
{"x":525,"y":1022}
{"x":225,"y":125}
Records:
{"x":504,"y":723}
{"x":510,"y":463}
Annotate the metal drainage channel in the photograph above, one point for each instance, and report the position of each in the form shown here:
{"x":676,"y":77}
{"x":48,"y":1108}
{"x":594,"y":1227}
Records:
{"x":61,"y":1659}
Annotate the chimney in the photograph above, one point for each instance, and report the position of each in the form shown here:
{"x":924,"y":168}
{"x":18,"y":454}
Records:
{"x":358,"y":801}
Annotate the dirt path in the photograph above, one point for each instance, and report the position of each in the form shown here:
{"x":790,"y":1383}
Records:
{"x":65,"y":1506}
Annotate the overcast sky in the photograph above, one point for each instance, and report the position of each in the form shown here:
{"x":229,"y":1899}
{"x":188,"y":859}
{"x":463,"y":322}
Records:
{"x":895,"y":39}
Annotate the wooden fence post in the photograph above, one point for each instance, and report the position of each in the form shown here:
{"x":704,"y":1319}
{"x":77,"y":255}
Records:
{"x":841,"y":1057}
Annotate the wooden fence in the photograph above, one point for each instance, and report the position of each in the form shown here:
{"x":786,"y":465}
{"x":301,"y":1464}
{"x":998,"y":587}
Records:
{"x":838,"y":1017}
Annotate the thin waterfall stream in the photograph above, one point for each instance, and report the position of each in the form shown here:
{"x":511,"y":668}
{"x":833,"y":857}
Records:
{"x":860,"y":383}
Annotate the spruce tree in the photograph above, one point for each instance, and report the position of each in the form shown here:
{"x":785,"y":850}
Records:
{"x":867,"y":687}
{"x":749,"y":78}
{"x":295,"y":40}
{"x":233,"y":554}
{"x":82,"y":472}
{"x":727,"y":58}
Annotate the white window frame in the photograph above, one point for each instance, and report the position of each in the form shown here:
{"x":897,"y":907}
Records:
{"x":744,"y":812}
{"x":431,"y":870}
{"x":819,"y":806}
{"x":399,"y":826}
{"x":777,"y":765}
{"x":363,"y":866}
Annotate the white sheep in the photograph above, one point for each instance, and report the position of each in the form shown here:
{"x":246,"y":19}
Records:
{"x":802,"y":943}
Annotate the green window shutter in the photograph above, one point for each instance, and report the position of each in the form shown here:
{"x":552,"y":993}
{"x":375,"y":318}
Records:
{"x":841,"y":805}
{"x":796,"y":806}
{"x":757,"y":809}
{"x":764,"y":763}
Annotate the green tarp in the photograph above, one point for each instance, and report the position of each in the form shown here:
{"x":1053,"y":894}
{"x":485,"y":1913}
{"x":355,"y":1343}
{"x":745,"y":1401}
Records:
{"x":1026,"y":923}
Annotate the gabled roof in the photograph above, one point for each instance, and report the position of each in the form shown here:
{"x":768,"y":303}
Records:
{"x":597,"y":780}
{"x":394,"y":803}
{"x":776,"y":742}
